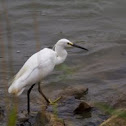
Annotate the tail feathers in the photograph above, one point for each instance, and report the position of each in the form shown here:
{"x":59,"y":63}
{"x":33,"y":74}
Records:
{"x":18,"y":75}
{"x":20,"y":92}
{"x":15,"y":91}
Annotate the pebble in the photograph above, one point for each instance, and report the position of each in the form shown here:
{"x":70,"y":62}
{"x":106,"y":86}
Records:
{"x":18,"y":51}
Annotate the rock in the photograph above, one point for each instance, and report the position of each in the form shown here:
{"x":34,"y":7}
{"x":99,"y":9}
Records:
{"x":45,"y":118}
{"x":54,"y":121}
{"x":42,"y":118}
{"x":18,"y":51}
{"x":82,"y":107}
{"x":76,"y":91}
{"x":58,"y":113}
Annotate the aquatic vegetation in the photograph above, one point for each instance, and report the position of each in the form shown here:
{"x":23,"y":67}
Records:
{"x":67,"y":71}
{"x":111,"y":110}
{"x":55,"y":110}
{"x":12,"y":117}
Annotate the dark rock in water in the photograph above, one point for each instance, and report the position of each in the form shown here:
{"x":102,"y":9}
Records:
{"x":83,"y":106}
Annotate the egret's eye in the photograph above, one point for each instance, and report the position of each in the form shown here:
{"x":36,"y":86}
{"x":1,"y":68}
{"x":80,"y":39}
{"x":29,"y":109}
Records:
{"x":70,"y":43}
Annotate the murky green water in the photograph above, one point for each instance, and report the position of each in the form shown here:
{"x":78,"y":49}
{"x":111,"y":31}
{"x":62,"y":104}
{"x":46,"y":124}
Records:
{"x":99,"y":25}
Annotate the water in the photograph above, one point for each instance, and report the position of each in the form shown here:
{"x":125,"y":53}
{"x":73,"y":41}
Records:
{"x":26,"y":27}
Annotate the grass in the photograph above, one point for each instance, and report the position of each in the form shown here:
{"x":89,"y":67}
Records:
{"x":111,"y":111}
{"x":12,"y":117}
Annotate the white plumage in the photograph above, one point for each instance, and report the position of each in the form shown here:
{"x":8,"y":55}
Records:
{"x":39,"y":65}
{"x":36,"y":67}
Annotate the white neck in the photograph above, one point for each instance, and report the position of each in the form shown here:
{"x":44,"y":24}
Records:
{"x":61,"y":54}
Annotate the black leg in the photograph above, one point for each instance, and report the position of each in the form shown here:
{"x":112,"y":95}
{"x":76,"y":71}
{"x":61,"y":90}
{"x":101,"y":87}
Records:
{"x":40,"y":91}
{"x":28,"y":98}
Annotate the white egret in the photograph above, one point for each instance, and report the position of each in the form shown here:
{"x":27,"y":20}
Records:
{"x":38,"y":66}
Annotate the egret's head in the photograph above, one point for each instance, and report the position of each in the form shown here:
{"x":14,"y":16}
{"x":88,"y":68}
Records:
{"x":66,"y":43}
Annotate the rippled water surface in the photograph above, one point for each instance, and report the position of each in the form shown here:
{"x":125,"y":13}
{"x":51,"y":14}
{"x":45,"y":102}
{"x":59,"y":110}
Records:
{"x":99,"y":25}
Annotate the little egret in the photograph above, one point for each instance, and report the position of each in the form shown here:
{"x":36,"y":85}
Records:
{"x":38,"y":66}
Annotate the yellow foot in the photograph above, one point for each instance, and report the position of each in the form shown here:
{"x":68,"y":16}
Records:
{"x":55,"y":101}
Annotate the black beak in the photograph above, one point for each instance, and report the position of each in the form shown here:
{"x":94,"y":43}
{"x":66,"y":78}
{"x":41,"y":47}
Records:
{"x":79,"y":47}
